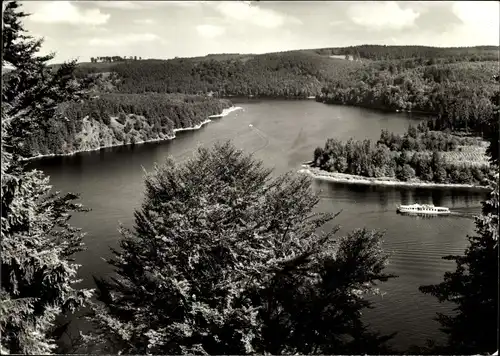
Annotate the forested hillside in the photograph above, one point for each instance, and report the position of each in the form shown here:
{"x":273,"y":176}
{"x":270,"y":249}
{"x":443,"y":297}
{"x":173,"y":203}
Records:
{"x":457,"y":94}
{"x":455,"y":85}
{"x":119,"y":119}
{"x":289,"y":74}
{"x":450,"y":54}
{"x":105,"y":117}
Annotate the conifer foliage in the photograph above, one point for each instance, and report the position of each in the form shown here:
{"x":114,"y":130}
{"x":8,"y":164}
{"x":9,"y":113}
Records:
{"x":37,"y":242}
{"x":31,"y":90}
{"x":473,"y":286}
{"x":224,"y":259}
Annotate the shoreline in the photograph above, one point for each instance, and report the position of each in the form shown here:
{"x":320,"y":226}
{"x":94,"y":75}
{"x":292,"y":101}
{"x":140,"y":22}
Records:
{"x":224,"y":113}
{"x":425,"y":114}
{"x":336,"y":177}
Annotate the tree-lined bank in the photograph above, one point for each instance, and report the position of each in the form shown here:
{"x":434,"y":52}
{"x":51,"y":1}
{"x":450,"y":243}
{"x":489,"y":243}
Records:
{"x":418,"y":158}
{"x":121,"y":119}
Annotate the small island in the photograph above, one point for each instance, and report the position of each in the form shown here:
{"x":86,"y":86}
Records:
{"x":420,"y":157}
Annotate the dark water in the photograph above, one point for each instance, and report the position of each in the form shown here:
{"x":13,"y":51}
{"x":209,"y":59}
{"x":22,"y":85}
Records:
{"x":284,"y":134}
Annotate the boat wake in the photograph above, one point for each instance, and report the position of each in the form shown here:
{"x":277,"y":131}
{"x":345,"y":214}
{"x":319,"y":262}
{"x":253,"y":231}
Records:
{"x":261,"y":135}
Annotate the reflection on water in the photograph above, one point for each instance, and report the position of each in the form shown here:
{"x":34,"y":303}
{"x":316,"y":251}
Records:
{"x":284,"y":134}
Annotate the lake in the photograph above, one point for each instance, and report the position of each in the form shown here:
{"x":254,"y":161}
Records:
{"x":284,"y":134}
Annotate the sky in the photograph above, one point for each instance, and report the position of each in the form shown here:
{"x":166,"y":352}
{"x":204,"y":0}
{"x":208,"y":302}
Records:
{"x":168,"y":29}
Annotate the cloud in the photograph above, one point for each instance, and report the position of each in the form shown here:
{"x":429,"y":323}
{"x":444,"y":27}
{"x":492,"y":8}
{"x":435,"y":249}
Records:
{"x":180,"y":3}
{"x":336,"y":22}
{"x":476,"y":12}
{"x":210,"y":31}
{"x":136,"y":5}
{"x":122,"y":40}
{"x":123,"y":5}
{"x":144,"y":21}
{"x":251,"y":13}
{"x":480,"y":21}
{"x":482,"y":15}
{"x":382,"y":15}
{"x":68,"y":13}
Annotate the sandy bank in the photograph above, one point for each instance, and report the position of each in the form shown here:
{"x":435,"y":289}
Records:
{"x":224,"y":113}
{"x":317,"y":173}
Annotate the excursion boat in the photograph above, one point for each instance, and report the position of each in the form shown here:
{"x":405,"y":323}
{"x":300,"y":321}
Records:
{"x":427,"y":209}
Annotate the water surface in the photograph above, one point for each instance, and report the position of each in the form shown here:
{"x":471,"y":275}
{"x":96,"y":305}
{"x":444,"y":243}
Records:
{"x":284,"y":134}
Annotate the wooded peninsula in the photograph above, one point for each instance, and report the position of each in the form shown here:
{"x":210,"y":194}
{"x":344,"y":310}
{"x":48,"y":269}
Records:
{"x":420,"y":155}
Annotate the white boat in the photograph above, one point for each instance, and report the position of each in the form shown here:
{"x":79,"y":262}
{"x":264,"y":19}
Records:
{"x":427,"y":209}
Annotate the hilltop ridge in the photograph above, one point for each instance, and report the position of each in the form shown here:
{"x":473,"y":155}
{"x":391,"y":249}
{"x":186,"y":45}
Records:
{"x":452,"y":84}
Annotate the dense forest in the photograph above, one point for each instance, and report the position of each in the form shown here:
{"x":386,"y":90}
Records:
{"x":291,"y":74}
{"x":420,"y":154}
{"x":455,"y":85}
{"x":458,"y":95}
{"x":119,"y":119}
{"x":110,"y":59}
{"x":299,"y":73}
{"x":449,"y":54}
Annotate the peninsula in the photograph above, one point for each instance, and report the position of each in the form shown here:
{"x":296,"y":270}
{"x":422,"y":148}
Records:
{"x":420,"y":157}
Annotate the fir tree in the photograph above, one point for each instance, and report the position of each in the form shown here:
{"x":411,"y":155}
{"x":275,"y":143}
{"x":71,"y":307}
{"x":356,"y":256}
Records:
{"x":493,"y":129}
{"x":225,"y":260}
{"x":37,"y":242}
{"x":31,"y":90}
{"x":473,"y":286}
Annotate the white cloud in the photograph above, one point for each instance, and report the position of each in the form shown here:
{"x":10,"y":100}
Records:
{"x":479,"y":25}
{"x":179,"y":3}
{"x":136,"y":5}
{"x":210,"y":31}
{"x":480,"y":21}
{"x":123,"y":40}
{"x":477,"y":12}
{"x":336,"y":22}
{"x":68,"y":13}
{"x":382,"y":15}
{"x":144,"y":21}
{"x":251,"y":13}
{"x":123,"y":5}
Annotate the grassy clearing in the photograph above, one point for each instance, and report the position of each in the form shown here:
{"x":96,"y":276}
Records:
{"x":467,"y":155}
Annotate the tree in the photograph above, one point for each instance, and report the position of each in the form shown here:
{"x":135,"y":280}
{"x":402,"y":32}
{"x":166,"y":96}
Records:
{"x":128,"y":127}
{"x":318,"y":155}
{"x":37,"y":242}
{"x":405,"y":173}
{"x":437,"y":165}
{"x":492,"y":130}
{"x":215,"y":257}
{"x":341,"y":164}
{"x":440,"y":174}
{"x":122,"y":118}
{"x":32,"y":91}
{"x":412,"y":131}
{"x":425,"y":170}
{"x":473,"y":286}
